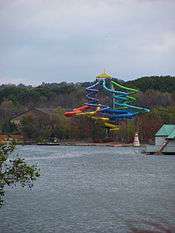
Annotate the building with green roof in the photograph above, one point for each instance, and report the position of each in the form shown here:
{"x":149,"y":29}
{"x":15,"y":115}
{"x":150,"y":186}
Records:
{"x":164,"y":140}
{"x":167,"y":131}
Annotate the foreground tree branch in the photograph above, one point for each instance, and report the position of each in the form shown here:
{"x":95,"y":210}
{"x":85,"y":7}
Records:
{"x":14,"y":171}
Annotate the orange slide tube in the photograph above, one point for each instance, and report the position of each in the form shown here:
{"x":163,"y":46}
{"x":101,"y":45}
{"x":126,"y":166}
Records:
{"x":77,"y":110}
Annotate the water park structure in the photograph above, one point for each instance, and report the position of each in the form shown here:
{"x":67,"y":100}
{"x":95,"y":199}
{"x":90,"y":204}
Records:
{"x":120,"y":107}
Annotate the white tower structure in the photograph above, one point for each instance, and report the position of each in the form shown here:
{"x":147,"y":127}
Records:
{"x":136,"y":142}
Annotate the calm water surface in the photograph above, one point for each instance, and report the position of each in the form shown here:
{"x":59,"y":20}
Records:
{"x":91,"y":189}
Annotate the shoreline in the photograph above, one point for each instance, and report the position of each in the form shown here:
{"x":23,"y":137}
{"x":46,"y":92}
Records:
{"x":86,"y":144}
{"x":102,"y":144}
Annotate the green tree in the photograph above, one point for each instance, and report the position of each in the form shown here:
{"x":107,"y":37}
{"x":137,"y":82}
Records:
{"x":36,"y":128}
{"x":60,"y":124}
{"x":14,"y":171}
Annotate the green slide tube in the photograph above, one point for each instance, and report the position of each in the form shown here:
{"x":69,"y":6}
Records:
{"x":131,"y":90}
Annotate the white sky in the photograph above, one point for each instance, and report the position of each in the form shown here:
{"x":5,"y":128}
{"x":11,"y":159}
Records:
{"x":73,"y":40}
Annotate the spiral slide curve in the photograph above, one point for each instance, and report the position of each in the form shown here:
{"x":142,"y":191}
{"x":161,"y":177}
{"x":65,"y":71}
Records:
{"x":123,"y":100}
{"x":121,"y":97}
{"x":94,"y":103}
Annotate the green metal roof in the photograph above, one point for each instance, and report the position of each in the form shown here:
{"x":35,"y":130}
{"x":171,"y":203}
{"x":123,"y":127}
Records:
{"x":166,"y":130}
{"x":172,"y":135}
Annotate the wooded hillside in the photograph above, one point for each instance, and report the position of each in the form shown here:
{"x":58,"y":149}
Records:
{"x":156,"y":93}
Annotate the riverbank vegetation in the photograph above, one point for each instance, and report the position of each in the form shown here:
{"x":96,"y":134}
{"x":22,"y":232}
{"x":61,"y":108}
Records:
{"x":47,"y":103}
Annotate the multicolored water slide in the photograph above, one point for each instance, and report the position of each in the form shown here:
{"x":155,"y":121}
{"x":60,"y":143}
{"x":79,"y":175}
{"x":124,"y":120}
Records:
{"x":121,"y":101}
{"x":121,"y":109}
{"x":94,"y":102}
{"x":94,"y":106}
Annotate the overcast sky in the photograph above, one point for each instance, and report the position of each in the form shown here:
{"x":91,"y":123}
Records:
{"x":73,"y":40}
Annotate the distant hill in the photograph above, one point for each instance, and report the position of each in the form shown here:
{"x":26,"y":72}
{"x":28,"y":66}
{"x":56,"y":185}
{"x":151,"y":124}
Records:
{"x":68,"y":95}
{"x":159,"y":83}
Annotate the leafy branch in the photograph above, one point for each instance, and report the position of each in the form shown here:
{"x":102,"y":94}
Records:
{"x":15,"y":171}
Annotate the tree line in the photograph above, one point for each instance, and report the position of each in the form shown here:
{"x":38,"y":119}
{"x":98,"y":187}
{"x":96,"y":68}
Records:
{"x":156,"y":93}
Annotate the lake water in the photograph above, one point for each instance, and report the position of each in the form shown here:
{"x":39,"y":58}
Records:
{"x":91,"y":189}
